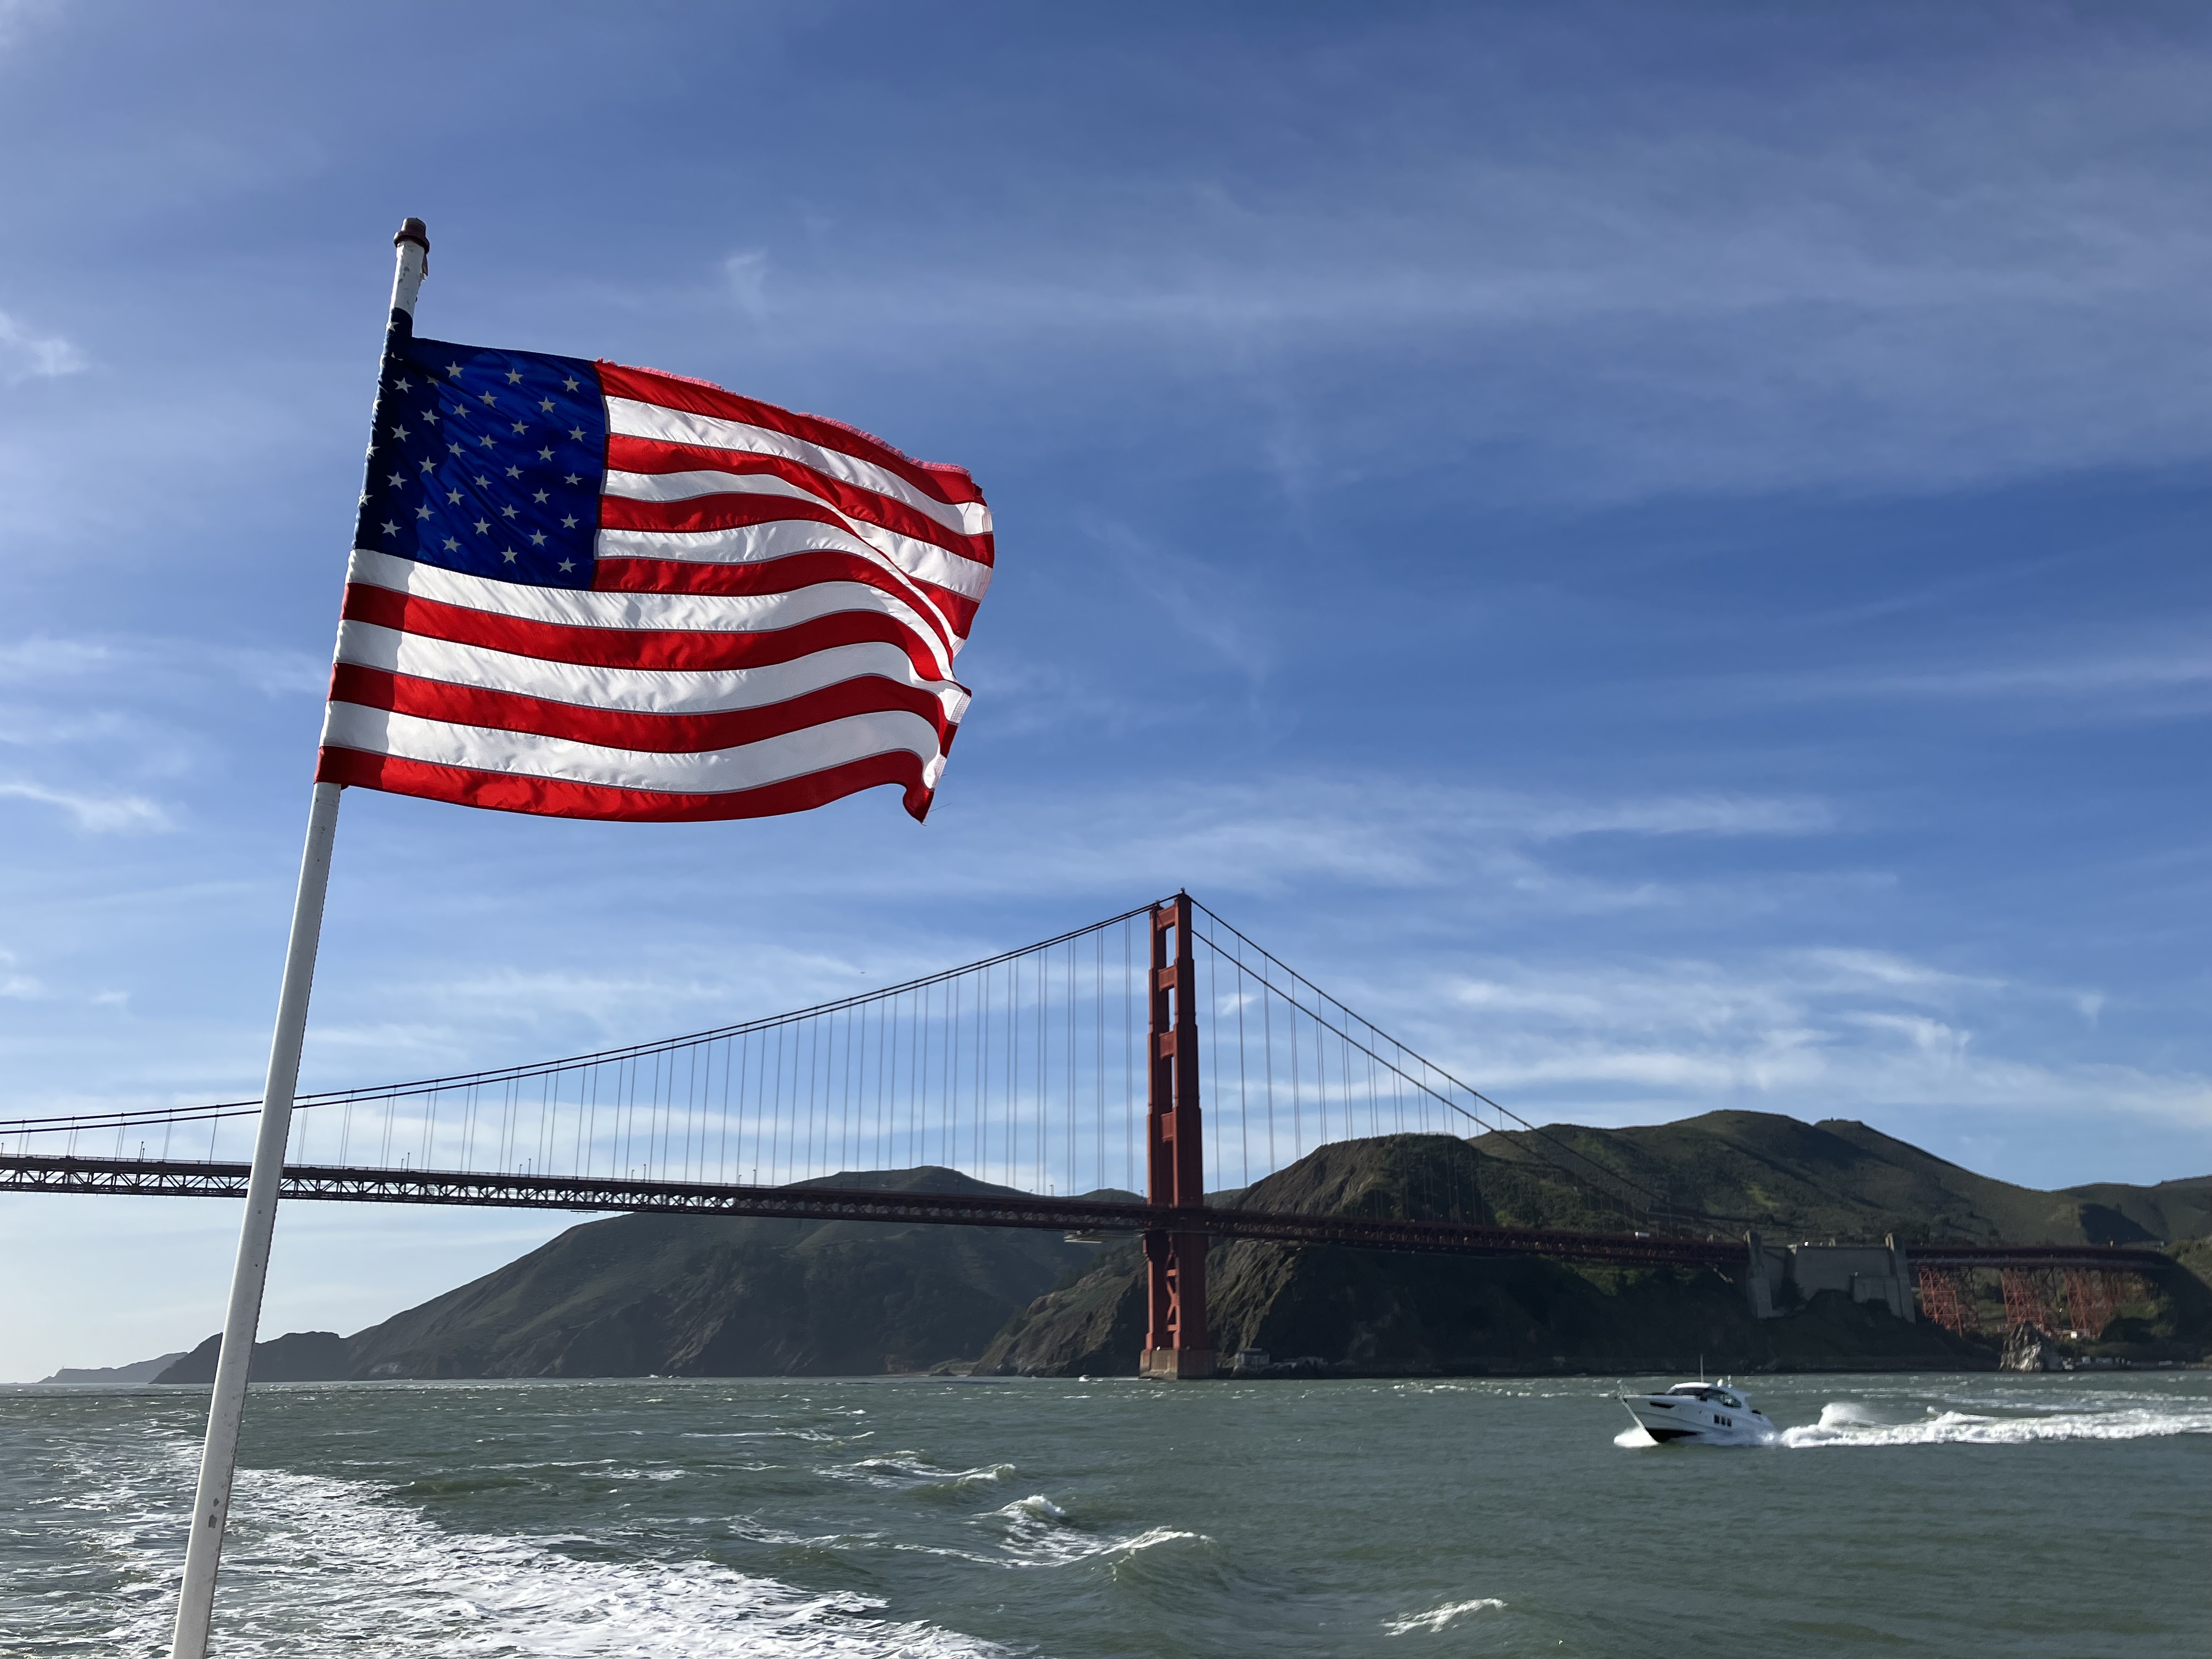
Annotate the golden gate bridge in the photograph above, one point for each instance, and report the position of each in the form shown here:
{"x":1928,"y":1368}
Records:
{"x":1093,"y":1082}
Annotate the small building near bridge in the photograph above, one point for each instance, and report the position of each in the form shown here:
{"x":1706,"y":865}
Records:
{"x":1784,"y":1276}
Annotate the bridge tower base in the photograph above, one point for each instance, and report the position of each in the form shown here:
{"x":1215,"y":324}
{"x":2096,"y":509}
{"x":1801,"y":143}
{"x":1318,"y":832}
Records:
{"x":1177,"y":1344}
{"x":1176,"y":1365}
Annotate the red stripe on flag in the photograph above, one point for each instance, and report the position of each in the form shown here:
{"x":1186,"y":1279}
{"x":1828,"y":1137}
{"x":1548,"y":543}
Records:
{"x":663,"y":734}
{"x":957,"y":608}
{"x":510,"y":791}
{"x":948,"y":484}
{"x":655,"y":456}
{"x":785,"y":575}
{"x":664,"y":649}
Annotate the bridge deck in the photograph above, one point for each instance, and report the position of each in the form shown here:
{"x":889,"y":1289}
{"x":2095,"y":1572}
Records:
{"x":192,"y":1179}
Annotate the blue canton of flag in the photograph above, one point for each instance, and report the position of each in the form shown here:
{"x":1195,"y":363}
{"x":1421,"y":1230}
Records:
{"x":486,"y":462}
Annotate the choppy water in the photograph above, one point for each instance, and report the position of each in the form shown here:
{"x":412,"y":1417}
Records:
{"x":2063,"y":1516}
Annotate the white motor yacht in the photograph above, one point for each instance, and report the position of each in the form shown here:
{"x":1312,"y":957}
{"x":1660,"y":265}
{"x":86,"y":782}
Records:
{"x":1708,"y":1413}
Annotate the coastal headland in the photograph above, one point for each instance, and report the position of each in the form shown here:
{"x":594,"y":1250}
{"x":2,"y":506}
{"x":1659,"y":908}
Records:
{"x":671,"y":1294}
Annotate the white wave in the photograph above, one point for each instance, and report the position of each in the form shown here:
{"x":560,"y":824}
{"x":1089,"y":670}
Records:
{"x":317,"y":1565}
{"x":909,"y":1471}
{"x":1154,"y":1539}
{"x":1846,"y":1423}
{"x":1038,"y":1532}
{"x":1035,"y":1507}
{"x":1443,"y":1618}
{"x":991,"y":1474}
{"x":1852,"y":1414}
{"x":1635,"y":1437}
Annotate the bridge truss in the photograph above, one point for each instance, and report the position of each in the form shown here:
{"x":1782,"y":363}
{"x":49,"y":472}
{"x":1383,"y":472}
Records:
{"x":1067,"y":1080}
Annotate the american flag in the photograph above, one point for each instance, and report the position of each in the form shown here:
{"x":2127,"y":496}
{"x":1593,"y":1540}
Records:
{"x":588,"y":590}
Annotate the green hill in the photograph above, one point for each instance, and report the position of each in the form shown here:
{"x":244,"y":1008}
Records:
{"x":716,"y":1295}
{"x":2167,"y":1213}
{"x":711,"y":1295}
{"x":1353,"y":1311}
{"x":703,"y":1296}
{"x":1374,"y":1313}
{"x":1840,"y":1179}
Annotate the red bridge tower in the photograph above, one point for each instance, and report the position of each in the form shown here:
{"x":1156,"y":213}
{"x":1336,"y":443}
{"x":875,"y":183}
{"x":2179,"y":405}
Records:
{"x":1176,"y":1343}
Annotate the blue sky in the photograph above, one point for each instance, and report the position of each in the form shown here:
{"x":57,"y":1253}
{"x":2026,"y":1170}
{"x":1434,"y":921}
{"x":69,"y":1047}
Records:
{"x":1657,"y":550}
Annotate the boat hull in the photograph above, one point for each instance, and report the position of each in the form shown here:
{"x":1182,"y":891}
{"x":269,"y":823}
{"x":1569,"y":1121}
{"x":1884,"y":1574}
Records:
{"x":1676,"y":1419}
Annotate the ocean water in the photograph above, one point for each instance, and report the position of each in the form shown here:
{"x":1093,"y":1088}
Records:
{"x":2022,"y":1515}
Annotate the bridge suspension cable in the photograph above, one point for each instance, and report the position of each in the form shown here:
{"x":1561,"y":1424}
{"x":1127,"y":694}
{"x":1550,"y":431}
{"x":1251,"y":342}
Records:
{"x":1025,"y":1070}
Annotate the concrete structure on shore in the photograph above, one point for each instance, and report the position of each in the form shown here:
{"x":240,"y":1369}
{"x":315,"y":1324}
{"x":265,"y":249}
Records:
{"x":1781,"y":1278}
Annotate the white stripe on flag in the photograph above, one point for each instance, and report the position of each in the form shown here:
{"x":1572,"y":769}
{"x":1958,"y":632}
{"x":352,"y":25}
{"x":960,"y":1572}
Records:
{"x":712,"y":772}
{"x":635,"y":691}
{"x":755,"y":543}
{"x":674,"y":613}
{"x":628,"y":418}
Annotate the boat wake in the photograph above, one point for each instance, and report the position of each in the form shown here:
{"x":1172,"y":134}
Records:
{"x":319,"y":1565}
{"x":1847,"y":1423}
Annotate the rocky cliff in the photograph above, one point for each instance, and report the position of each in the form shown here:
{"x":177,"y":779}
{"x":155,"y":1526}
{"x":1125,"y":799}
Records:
{"x":1353,"y":1310}
{"x":1366,"y":1311}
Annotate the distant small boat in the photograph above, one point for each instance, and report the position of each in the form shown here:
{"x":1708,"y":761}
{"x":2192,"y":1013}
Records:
{"x":1704,"y":1414}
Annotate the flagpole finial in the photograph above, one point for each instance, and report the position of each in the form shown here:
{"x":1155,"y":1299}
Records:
{"x":412,"y":246}
{"x":414,"y":230}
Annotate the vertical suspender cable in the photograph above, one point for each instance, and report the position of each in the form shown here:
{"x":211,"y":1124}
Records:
{"x":1098,"y":1063}
{"x":1267,"y":1049}
{"x":1074,"y":1139}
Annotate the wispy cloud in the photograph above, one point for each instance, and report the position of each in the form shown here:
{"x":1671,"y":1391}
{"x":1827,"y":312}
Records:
{"x":12,"y":984}
{"x":25,"y":354}
{"x":1812,"y":1032}
{"x":2049,"y":679}
{"x":2041,"y":670}
{"x":1018,"y":694}
{"x":1676,"y":815}
{"x":102,"y":814}
{"x":1215,"y":606}
{"x":43,"y":659}
{"x":1376,"y":831}
{"x":16,"y":15}
{"x":275,"y":673}
{"x":1871,"y":282}
{"x":40,"y":658}
{"x":746,"y":273}
{"x":502,"y":1014}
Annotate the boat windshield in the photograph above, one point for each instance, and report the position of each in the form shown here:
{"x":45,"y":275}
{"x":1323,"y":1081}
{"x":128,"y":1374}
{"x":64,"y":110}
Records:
{"x":1708,"y":1391}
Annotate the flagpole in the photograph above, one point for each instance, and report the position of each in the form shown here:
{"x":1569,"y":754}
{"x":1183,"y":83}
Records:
{"x":227,"y":1405}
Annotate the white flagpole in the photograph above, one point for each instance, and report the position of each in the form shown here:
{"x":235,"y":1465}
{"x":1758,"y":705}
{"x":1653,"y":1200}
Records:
{"x":219,"y":1456}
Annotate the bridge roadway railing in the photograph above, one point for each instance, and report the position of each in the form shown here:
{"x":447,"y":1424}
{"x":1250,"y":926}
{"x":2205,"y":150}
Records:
{"x":814,"y":1202}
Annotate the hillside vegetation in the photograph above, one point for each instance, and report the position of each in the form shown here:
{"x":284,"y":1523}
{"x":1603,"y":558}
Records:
{"x":1838,"y":1178}
{"x":1368,"y":1312}
{"x":709,"y":1296}
{"x":704,"y":1296}
{"x":1353,"y":1310}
